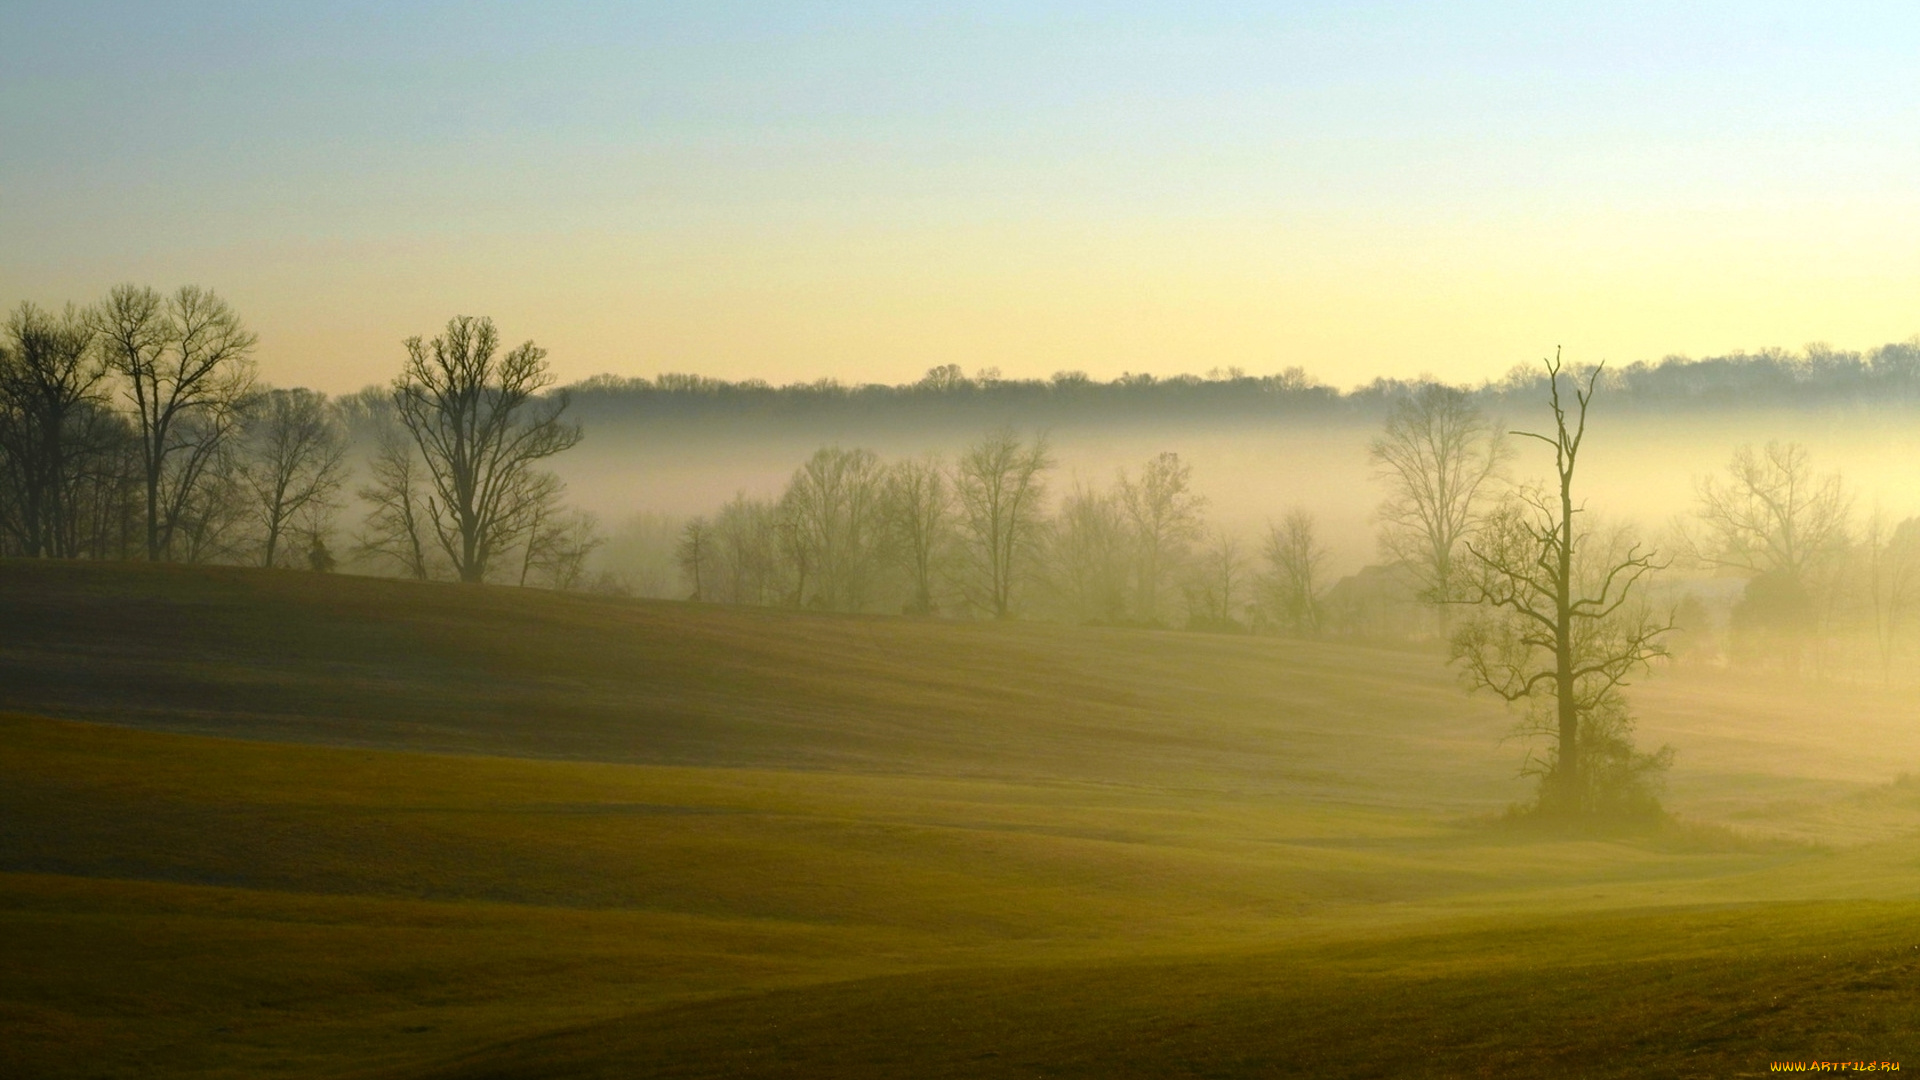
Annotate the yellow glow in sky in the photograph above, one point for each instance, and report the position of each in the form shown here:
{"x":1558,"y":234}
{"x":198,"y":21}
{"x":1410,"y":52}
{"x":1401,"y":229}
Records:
{"x":866,"y":192}
{"x":1342,"y":299}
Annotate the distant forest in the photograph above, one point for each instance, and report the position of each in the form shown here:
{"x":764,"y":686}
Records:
{"x":136,"y":427}
{"x":1815,"y":376}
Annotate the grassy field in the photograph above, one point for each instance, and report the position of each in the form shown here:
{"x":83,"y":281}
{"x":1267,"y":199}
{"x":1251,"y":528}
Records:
{"x":258,"y":823}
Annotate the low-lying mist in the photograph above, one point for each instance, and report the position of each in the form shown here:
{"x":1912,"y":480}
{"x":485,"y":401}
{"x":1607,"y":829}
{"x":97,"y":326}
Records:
{"x":1639,"y":467}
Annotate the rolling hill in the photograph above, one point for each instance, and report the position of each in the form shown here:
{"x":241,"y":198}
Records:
{"x":266,"y":823}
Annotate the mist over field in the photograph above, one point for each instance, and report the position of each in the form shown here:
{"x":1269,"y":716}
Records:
{"x":1643,"y":465}
{"x":1126,"y":541}
{"x":1260,"y":450}
{"x":1198,"y":726}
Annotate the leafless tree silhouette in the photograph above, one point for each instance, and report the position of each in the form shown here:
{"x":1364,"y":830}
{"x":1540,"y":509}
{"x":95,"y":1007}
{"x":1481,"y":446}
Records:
{"x":1773,"y":514}
{"x":1090,"y":556}
{"x":186,"y":361}
{"x":1560,"y":620}
{"x":1165,"y":516}
{"x":50,"y":400}
{"x":396,"y":527}
{"x":293,"y":454}
{"x":1000,"y":482}
{"x":1296,"y":563}
{"x":473,"y":414}
{"x":693,"y":551}
{"x":1439,"y":456}
{"x":919,"y":499}
{"x":1890,"y":579}
{"x":833,"y":509}
{"x":1217,"y":582}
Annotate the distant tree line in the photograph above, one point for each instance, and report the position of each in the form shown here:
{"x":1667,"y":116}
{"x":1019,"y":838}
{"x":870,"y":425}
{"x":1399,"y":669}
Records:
{"x":136,"y":428}
{"x":1815,"y":375}
{"x":948,"y":387}
{"x":981,"y":535}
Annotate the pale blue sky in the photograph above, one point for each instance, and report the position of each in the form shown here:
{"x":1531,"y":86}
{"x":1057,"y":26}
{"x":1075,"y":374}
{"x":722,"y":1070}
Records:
{"x":863,"y":190}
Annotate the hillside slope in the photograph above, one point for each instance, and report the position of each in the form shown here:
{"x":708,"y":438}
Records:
{"x":368,"y":662}
{"x":357,"y":828}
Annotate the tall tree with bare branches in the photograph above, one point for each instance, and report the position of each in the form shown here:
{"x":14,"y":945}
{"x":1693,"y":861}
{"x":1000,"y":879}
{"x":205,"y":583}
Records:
{"x":475,"y":415}
{"x":1439,"y":456}
{"x":293,"y":453}
{"x":919,"y":502}
{"x":556,"y":545}
{"x":1000,"y":483}
{"x":50,"y":385}
{"x":748,"y":567}
{"x":1216,"y":582}
{"x":1890,"y":579}
{"x":396,"y":527}
{"x":1090,"y":556}
{"x":1773,"y":514}
{"x":1296,"y":563}
{"x":1165,"y":516}
{"x":693,"y":551}
{"x":1560,"y":620}
{"x":187,"y":364}
{"x":834,"y":511}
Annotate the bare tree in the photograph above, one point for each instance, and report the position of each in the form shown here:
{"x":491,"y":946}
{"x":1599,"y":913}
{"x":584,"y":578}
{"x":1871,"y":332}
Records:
{"x":1166,"y":518}
{"x":1217,"y":582}
{"x":1786,"y":528}
{"x":1439,"y":456}
{"x":397,"y":528}
{"x":472,"y":412}
{"x":798,"y":555}
{"x":1000,"y":482}
{"x":833,"y":508}
{"x":554,"y":542}
{"x":50,"y":379}
{"x":1295,"y":564}
{"x":748,"y":549}
{"x":557,"y":546}
{"x":210,"y":517}
{"x":1090,"y":556}
{"x":919,"y":501}
{"x":1561,"y":622}
{"x":533,"y":505}
{"x":694,"y":552}
{"x":187,"y":363}
{"x":1773,"y":515}
{"x":292,"y":456}
{"x":1891,"y":581}
{"x":102,"y":507}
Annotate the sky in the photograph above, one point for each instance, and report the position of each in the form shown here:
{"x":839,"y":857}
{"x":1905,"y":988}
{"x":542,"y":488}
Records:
{"x":862,"y":191}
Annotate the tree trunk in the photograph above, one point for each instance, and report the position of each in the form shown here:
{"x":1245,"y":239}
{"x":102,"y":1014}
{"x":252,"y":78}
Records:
{"x":471,"y":568}
{"x":1569,"y":716}
{"x":153,"y":515}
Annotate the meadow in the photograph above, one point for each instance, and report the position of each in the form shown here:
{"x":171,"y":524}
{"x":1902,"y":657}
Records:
{"x":260,"y":823}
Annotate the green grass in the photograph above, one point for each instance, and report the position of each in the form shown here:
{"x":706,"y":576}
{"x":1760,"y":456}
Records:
{"x":342,"y":827}
{"x":1699,"y":994}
